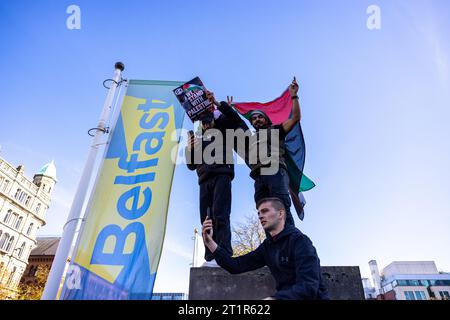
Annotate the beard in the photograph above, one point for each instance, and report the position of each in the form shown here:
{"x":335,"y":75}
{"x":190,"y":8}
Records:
{"x":260,"y":125}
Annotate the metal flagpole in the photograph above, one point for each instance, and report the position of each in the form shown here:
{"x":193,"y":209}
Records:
{"x":62,"y":253}
{"x":195,"y":253}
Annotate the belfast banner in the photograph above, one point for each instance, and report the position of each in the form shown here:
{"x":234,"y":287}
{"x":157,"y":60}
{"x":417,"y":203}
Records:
{"x":119,"y":247}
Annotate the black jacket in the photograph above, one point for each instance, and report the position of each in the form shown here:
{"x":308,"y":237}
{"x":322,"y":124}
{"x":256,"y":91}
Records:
{"x":229,"y":119}
{"x":292,"y":260}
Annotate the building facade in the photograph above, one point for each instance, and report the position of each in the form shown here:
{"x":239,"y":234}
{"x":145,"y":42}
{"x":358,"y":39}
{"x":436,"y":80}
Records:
{"x":23,"y":204}
{"x":43,"y":254}
{"x":410,"y":280}
{"x":369,"y":290}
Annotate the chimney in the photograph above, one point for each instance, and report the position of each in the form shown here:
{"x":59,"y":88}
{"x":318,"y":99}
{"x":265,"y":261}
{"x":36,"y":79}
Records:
{"x":21,"y":169}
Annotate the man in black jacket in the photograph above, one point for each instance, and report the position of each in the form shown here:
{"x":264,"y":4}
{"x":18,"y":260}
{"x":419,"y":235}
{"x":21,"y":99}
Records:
{"x":289,"y":254}
{"x":214,"y":177}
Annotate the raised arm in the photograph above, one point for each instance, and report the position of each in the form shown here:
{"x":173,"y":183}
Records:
{"x":296,"y":113}
{"x":226,"y":109}
{"x":248,"y":262}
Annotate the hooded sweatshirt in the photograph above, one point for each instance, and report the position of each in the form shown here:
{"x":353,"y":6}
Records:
{"x":292,"y":260}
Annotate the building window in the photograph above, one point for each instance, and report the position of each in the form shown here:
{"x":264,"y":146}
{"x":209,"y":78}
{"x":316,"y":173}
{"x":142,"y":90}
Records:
{"x":33,"y":271}
{"x":424,"y":283}
{"x":38,"y":208}
{"x":18,"y":223}
{"x":445,"y":295}
{"x":5,"y":185}
{"x":409,"y":295}
{"x":15,"y":217}
{"x":22,"y":197}
{"x":22,"y":248}
{"x":420,"y":295}
{"x":8,"y":216}
{"x":4,"y":241}
{"x":10,"y":243}
{"x":17,"y":195}
{"x":28,"y":200}
{"x":30,"y":271}
{"x":11,"y":276}
{"x":30,"y":228}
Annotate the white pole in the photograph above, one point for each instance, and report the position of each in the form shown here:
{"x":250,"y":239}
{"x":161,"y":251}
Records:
{"x":195,"y":253}
{"x":62,"y":253}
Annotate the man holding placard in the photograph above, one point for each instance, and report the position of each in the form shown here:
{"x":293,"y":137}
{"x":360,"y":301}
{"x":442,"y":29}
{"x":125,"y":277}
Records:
{"x":214,"y":167}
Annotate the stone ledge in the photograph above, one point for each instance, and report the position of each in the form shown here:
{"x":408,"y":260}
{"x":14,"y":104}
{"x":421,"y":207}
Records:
{"x":344,"y":283}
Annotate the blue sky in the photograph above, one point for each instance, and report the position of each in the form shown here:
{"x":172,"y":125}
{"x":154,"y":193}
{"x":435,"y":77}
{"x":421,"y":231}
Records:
{"x":375,"y":108}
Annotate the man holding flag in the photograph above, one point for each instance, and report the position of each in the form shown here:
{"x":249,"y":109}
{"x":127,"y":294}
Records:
{"x":272,"y":137}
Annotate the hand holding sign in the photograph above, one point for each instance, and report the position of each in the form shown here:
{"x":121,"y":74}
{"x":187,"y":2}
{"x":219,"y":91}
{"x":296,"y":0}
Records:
{"x":211,"y":98}
{"x":192,"y":97}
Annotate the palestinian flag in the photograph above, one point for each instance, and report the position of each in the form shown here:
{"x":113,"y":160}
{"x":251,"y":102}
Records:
{"x":191,"y":87}
{"x":279,"y":110}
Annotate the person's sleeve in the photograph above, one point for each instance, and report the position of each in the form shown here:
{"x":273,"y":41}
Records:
{"x":232,"y":116}
{"x":190,"y":158}
{"x":307,"y":273}
{"x":235,"y":265}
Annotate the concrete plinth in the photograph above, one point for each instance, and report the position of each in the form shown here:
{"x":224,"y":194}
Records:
{"x":344,"y":283}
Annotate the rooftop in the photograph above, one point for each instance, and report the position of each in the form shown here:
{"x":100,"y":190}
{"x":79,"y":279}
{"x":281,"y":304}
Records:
{"x":46,"y":246}
{"x":49,"y":170}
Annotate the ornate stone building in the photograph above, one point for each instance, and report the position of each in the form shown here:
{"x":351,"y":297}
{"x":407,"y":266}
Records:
{"x":23,"y":204}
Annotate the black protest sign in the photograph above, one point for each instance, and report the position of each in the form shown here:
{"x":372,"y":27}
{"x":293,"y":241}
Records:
{"x":192,"y":97}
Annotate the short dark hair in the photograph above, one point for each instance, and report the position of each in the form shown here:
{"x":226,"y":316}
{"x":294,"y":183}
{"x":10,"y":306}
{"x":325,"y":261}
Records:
{"x":275,"y":202}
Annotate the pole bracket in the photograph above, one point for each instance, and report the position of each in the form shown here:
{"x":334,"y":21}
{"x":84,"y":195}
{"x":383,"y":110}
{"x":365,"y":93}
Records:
{"x":112,"y":80}
{"x":104,"y":130}
{"x":69,"y":221}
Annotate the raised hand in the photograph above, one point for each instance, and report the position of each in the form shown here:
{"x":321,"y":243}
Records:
{"x":207,"y":231}
{"x":211,"y":98}
{"x":192,"y":142}
{"x":230,"y":100}
{"x":293,"y":88}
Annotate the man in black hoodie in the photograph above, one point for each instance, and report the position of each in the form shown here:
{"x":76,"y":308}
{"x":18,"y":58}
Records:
{"x":215,"y":178}
{"x":289,"y":254}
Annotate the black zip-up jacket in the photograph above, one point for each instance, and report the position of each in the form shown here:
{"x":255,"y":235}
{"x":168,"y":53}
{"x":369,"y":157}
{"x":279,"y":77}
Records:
{"x":229,"y":119}
{"x":292,"y":260}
